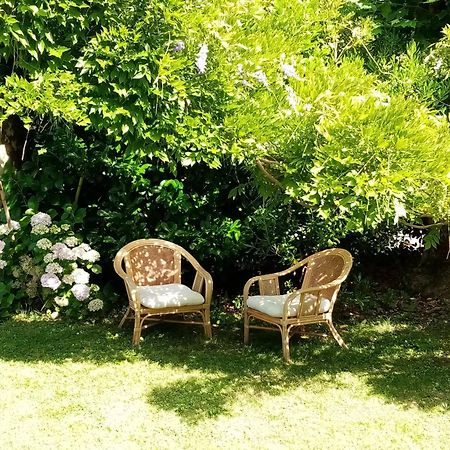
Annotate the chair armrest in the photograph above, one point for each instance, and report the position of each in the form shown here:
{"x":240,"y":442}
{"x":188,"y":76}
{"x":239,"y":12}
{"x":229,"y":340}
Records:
{"x":247,"y":287}
{"x":286,"y":271}
{"x":203,"y":279}
{"x":271,"y":276}
{"x":129,"y":283}
{"x":298,"y":293}
{"x":206,"y":283}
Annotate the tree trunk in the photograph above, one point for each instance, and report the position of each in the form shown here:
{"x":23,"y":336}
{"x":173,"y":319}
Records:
{"x":14,"y":136}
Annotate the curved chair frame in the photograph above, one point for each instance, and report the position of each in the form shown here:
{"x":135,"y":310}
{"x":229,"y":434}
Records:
{"x":269,"y":285}
{"x":202,"y":284}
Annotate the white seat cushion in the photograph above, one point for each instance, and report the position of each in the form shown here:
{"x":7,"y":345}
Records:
{"x":272,"y":305}
{"x":168,"y":295}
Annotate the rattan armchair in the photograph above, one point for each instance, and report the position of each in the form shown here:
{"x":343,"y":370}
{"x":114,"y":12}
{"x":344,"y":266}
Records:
{"x":151,"y":270}
{"x":323,"y":274}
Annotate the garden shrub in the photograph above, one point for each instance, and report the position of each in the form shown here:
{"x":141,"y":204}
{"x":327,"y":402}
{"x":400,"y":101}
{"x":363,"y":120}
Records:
{"x":46,"y":265}
{"x":275,"y":86}
{"x":250,"y":132}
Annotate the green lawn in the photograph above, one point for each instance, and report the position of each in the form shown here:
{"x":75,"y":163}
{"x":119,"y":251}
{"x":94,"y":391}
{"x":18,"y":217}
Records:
{"x":69,"y":385}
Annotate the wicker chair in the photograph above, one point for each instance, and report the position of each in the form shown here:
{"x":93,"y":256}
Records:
{"x":323,"y":274}
{"x":151,"y":269}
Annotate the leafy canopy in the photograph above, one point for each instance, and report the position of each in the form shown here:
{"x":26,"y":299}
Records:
{"x":283,"y":93}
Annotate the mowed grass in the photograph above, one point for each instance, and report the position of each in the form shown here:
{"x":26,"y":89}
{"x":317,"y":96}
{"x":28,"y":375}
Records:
{"x":65,"y":386}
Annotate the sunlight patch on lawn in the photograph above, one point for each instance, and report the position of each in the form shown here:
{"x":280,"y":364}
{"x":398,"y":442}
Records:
{"x":84,"y":386}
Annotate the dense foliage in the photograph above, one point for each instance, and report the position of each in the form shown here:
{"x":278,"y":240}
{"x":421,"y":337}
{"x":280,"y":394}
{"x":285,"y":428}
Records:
{"x":44,"y":260}
{"x":245,"y":130}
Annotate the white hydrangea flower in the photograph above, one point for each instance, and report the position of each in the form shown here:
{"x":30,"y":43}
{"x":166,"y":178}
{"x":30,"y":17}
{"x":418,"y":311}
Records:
{"x":49,"y":257}
{"x":80,"y":291}
{"x":2,"y":264}
{"x":44,"y":244}
{"x":62,"y":301}
{"x":25,"y":260}
{"x":65,"y":227}
{"x":68,"y":255}
{"x":68,"y":279}
{"x":41,"y":219}
{"x":58,"y":246}
{"x":54,"y":268}
{"x":71,"y":241}
{"x":91,"y":256}
{"x":201,"y":58}
{"x":2,"y":246}
{"x":5,"y":230}
{"x":54,"y":229}
{"x":80,"y":276}
{"x":78,"y":252}
{"x":50,"y":280}
{"x":61,"y":251}
{"x":95,"y":305}
{"x":40,"y":229}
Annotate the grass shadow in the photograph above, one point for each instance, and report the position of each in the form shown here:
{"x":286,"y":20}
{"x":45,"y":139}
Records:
{"x":58,"y":342}
{"x":406,"y":363}
{"x":195,"y":399}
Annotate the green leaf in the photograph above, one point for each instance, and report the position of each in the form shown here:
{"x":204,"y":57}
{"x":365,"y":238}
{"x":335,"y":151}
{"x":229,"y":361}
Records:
{"x":57,"y":51}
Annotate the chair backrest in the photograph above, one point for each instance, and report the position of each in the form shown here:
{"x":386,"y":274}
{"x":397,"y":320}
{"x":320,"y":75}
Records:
{"x":152,"y":262}
{"x":325,"y":267}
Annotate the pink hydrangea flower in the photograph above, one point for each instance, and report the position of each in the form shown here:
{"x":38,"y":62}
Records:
{"x":80,"y":291}
{"x":50,"y":280}
{"x":61,"y":251}
{"x":41,"y":219}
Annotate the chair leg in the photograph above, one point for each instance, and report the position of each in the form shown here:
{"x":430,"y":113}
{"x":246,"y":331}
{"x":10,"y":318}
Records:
{"x":124,"y":317}
{"x":137,"y":329}
{"x":285,"y":343}
{"x":246,"y":328}
{"x":207,"y":324}
{"x":336,"y":335}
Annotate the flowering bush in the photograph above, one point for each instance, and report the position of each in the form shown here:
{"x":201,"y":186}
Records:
{"x":43,"y":262}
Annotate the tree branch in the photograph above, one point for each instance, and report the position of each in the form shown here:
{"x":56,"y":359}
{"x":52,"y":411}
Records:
{"x":424,"y":227}
{"x":276,"y":182}
{"x":5,"y":206}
